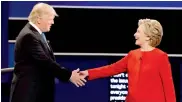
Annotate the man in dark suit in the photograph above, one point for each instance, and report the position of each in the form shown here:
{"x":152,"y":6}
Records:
{"x":35,"y":65}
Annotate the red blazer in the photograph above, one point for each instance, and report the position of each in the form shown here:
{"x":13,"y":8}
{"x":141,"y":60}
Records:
{"x":149,"y":76}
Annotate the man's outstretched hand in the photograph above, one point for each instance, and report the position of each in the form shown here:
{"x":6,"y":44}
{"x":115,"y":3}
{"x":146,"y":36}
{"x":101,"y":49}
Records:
{"x":77,"y":79}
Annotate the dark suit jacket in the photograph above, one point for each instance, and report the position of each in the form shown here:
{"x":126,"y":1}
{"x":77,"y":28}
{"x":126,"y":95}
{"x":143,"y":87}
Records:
{"x":35,"y":69}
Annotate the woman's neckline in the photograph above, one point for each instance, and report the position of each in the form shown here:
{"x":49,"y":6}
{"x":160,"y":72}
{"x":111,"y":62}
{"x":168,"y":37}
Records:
{"x":148,"y":50}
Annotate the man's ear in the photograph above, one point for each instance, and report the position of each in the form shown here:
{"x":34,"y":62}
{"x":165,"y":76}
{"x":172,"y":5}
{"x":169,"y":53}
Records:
{"x":38,"y":20}
{"x":147,"y":38}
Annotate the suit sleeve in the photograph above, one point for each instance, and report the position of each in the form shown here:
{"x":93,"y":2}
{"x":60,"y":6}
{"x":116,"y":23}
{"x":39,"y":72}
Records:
{"x":109,"y":70}
{"x":37,"y":53}
{"x":167,"y":80}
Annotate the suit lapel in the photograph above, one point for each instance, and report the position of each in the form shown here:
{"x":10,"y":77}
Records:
{"x":46,"y":49}
{"x":51,"y":51}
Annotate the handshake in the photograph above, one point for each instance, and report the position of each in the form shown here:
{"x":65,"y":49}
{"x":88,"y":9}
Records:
{"x":78,"y":77}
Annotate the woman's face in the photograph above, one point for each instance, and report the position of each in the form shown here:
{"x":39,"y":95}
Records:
{"x":140,"y":37}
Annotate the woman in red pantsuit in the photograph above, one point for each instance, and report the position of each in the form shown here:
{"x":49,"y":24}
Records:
{"x":148,"y":68}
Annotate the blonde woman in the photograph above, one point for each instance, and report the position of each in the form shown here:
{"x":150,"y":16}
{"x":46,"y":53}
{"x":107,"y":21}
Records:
{"x":148,"y":68}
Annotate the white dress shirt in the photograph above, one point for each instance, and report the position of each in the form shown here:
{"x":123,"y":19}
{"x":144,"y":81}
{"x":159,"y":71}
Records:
{"x":40,"y":32}
{"x":36,"y":27}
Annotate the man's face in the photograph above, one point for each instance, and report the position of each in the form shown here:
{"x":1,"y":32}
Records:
{"x":45,"y":22}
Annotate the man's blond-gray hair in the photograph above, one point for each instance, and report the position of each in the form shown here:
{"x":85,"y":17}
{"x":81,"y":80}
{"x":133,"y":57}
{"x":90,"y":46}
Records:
{"x":41,"y":9}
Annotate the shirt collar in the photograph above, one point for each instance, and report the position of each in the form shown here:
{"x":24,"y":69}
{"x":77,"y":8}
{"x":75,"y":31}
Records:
{"x":36,"y":27}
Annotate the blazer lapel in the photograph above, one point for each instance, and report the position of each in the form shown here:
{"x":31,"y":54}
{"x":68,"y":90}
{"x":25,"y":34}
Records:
{"x":51,"y":51}
{"x":48,"y":49}
{"x":40,"y":38}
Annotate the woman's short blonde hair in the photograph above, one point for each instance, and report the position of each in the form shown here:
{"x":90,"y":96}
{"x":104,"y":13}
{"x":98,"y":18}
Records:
{"x":153,"y":29}
{"x":41,"y":9}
